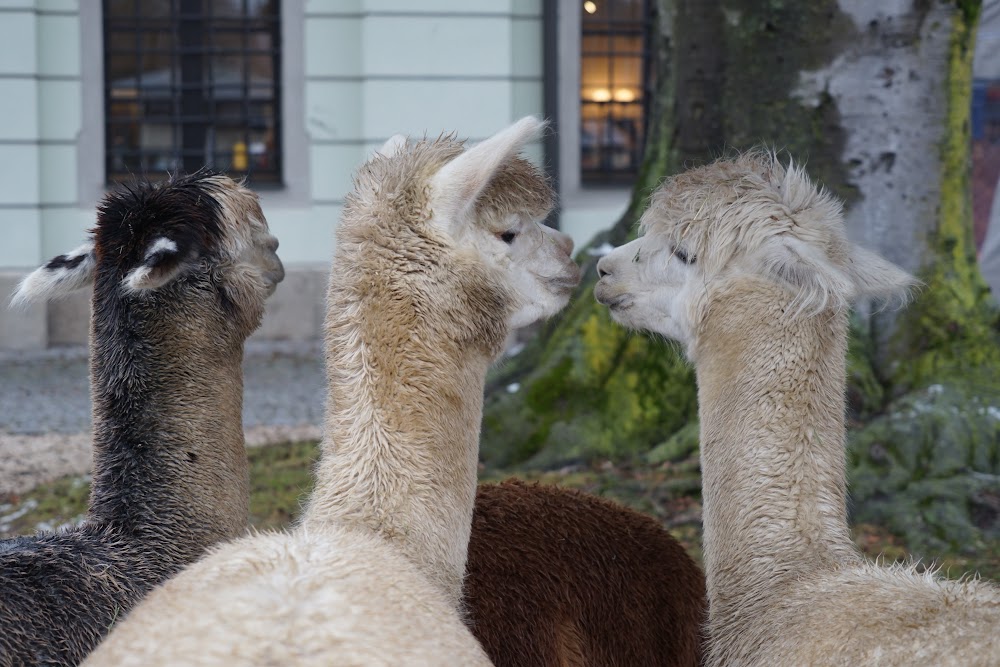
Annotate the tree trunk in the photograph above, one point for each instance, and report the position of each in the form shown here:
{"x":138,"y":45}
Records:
{"x":874,"y":98}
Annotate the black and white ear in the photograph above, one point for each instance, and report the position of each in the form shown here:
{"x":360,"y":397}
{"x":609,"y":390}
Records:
{"x":459,"y":183}
{"x":878,"y":278}
{"x":393,"y":145}
{"x":161,"y":263}
{"x":59,"y":277}
{"x":817,"y":283}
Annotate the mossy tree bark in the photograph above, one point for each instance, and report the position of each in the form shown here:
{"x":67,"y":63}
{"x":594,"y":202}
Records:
{"x":877,"y":106}
{"x":928,"y":467}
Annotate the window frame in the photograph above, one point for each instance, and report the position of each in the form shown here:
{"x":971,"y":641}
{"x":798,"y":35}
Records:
{"x":562,"y":95}
{"x":601,"y":176}
{"x":294,"y":188}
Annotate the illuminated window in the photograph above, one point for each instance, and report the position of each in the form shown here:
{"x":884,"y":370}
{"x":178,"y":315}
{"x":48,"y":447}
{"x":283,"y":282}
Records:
{"x":192,"y":83}
{"x":615,"y":80}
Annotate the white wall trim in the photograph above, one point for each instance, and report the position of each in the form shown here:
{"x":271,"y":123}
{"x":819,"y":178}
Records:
{"x":90,"y":141}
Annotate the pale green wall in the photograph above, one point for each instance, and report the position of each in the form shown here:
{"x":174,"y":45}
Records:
{"x":371,"y":68}
{"x":40,"y":83}
{"x":374,"y":68}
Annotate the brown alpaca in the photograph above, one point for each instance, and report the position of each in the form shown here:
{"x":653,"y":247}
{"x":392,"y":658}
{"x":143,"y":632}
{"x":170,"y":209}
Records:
{"x":559,"y":577}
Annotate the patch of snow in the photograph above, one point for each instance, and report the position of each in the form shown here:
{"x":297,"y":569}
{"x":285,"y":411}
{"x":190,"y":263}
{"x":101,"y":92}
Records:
{"x":7,"y":519}
{"x":513,"y":387}
{"x":515,"y":349}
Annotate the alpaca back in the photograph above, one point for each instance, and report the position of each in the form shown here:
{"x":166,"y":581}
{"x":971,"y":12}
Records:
{"x":867,"y":614}
{"x":304,"y":598}
{"x":559,"y":577}
{"x":53,"y":604}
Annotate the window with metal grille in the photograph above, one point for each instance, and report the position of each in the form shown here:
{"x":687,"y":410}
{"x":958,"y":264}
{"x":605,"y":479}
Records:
{"x":615,"y":88}
{"x":192,"y":83}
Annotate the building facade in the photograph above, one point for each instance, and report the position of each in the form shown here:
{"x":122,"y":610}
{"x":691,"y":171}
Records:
{"x":295,"y":94}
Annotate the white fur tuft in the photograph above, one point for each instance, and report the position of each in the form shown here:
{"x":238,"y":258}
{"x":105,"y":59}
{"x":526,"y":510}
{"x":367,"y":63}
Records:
{"x":137,"y":278}
{"x":152,"y":274}
{"x":162,"y":244}
{"x":47,"y":283}
{"x":393,"y":146}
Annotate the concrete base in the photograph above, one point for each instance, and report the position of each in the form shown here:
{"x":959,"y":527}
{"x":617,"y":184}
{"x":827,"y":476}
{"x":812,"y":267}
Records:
{"x":294,"y":312}
{"x":24,"y":328}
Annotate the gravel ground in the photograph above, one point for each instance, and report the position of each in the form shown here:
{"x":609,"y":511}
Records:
{"x":45,"y":407}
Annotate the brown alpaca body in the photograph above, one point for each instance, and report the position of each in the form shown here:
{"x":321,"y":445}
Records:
{"x":559,"y":577}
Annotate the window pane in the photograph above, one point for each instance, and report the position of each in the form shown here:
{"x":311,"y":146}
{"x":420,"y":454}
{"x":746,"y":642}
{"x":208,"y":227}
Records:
{"x":191,"y":83}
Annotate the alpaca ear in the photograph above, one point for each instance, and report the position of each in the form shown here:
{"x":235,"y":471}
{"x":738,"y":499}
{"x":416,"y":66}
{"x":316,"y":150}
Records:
{"x":459,"y":183}
{"x":872,"y":276}
{"x":62,"y":275}
{"x":395,"y":144}
{"x":817,"y":283}
{"x":162,"y":262}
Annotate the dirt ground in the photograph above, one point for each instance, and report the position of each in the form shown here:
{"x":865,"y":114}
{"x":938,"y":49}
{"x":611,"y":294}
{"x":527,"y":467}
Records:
{"x":27,"y":461}
{"x":45,"y":408}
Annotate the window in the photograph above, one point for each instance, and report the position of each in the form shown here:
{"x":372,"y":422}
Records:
{"x":615,"y":88}
{"x":190,"y":83}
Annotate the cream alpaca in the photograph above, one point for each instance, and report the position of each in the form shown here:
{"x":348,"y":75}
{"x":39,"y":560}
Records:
{"x":746,"y":263}
{"x":439,"y":252}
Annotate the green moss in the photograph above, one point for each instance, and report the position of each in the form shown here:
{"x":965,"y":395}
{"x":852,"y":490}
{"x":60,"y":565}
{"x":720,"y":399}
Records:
{"x":280,"y":479}
{"x":596,"y":391}
{"x":970,"y":10}
{"x":929,"y":469}
{"x":586,"y":388}
{"x":866,"y":394}
{"x":768,"y":45}
{"x":950,"y":331}
{"x":681,"y":445}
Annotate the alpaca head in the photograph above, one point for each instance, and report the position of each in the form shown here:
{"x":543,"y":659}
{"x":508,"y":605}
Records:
{"x":201,"y":240}
{"x":484,"y":205}
{"x":748,"y":217}
{"x":492,"y":200}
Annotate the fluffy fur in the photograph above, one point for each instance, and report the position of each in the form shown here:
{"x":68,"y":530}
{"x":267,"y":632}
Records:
{"x":559,"y":577}
{"x":170,"y":470}
{"x":419,"y":303}
{"x":746,"y":262}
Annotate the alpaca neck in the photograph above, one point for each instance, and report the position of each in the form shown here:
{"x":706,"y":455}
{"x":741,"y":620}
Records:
{"x":771,"y":402}
{"x":401,"y":445}
{"x":169,"y":456}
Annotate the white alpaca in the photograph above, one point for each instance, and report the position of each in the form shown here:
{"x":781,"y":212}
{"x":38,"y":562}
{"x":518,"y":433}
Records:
{"x":438,"y":254}
{"x":746,"y":263}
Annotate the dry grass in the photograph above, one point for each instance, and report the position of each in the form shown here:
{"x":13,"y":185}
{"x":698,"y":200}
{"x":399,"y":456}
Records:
{"x":281,"y":478}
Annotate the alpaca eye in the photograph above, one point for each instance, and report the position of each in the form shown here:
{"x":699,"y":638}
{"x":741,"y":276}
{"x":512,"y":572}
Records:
{"x":508,"y":237}
{"x":635,"y":259}
{"x":683,"y":256}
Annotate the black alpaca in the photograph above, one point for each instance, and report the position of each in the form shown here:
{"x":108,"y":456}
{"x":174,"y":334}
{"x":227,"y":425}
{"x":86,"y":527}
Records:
{"x":180,"y":271}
